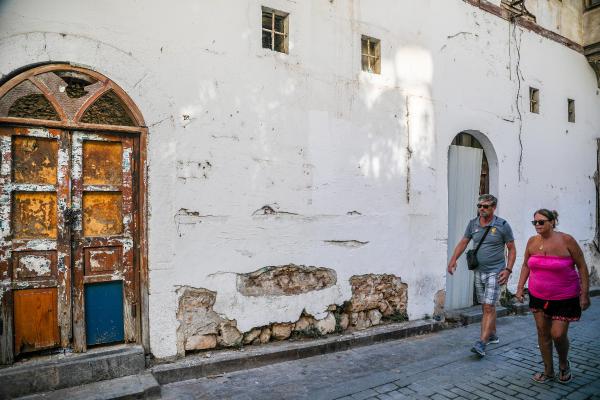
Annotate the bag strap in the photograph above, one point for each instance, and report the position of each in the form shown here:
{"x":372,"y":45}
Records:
{"x":483,"y":238}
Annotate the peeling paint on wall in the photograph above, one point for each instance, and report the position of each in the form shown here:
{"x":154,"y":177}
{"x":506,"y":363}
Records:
{"x":351,"y":244}
{"x":193,"y":170}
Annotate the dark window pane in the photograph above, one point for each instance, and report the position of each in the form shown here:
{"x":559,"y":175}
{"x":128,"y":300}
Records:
{"x":33,"y":106}
{"x":107,"y":110}
{"x":266,"y":40}
{"x":363,"y":45}
{"x":266,"y":20}
{"x":279,"y":23}
{"x":26,"y":101}
{"x":280,"y":43}
{"x":373,"y":48}
{"x":365,"y":63}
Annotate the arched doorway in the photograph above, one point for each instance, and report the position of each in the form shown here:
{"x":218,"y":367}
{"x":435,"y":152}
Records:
{"x":472,"y":170}
{"x":72,"y":233}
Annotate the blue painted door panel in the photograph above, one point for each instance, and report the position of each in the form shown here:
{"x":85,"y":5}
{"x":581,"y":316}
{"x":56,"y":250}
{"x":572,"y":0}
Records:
{"x":104,"y":312}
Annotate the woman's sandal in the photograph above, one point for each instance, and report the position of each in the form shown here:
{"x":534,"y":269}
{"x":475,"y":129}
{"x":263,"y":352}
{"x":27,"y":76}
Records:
{"x":565,"y":375}
{"x":541,"y":377}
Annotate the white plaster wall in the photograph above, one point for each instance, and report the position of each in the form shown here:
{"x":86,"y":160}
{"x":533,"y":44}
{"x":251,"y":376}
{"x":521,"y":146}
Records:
{"x":234,"y":127}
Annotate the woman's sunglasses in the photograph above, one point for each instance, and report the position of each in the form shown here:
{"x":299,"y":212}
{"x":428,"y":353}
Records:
{"x":540,"y":222}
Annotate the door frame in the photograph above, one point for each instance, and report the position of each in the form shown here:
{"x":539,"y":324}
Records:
{"x":72,"y":123}
{"x":490,"y":155}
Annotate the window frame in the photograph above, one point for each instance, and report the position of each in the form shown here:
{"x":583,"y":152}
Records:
{"x":534,"y":100}
{"x":273,"y":14}
{"x":373,"y":60}
{"x":571,"y":110}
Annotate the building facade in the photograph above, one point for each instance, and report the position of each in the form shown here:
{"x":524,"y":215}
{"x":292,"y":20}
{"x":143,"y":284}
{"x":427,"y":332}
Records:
{"x":222,"y":173}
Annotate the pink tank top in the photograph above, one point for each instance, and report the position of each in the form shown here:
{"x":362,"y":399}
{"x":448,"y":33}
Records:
{"x":553,"y":277}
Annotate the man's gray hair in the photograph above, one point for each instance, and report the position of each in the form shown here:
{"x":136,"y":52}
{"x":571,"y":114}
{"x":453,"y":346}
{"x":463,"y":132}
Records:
{"x":488,"y":197}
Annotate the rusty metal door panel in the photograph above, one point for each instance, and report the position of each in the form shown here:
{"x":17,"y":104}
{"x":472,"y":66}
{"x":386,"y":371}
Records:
{"x":104,"y":231}
{"x":36,"y":319}
{"x":34,"y":242}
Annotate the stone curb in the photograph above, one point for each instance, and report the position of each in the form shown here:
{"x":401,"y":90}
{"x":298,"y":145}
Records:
{"x":142,"y":386}
{"x":207,"y":364}
{"x":73,"y":370}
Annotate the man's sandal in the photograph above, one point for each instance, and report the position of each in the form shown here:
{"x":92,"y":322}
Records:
{"x":565,"y":376}
{"x":541,"y":377}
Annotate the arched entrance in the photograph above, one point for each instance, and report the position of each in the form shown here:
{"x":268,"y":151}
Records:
{"x":72,"y":201}
{"x":472,"y":170}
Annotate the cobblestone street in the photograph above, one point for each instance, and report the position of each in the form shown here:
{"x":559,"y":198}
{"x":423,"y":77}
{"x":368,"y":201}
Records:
{"x":434,"y":366}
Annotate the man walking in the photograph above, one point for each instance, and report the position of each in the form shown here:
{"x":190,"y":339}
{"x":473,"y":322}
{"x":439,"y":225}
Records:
{"x":493,"y":270}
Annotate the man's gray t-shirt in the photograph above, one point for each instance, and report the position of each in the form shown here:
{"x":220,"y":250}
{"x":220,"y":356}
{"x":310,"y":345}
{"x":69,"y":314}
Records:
{"x":491,"y":253}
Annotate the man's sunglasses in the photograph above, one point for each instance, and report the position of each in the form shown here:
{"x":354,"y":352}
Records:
{"x":484,"y":206}
{"x":540,"y":222}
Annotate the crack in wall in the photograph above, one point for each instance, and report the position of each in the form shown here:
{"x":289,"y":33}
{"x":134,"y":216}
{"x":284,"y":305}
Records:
{"x":519,"y":77}
{"x":271,"y":210}
{"x":347,"y":243}
{"x":409,"y":150}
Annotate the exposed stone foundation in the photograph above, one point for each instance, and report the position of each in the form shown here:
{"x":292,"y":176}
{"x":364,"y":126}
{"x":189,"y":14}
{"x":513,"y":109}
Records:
{"x":375,"y":299}
{"x":200,"y":327}
{"x":285,"y":280}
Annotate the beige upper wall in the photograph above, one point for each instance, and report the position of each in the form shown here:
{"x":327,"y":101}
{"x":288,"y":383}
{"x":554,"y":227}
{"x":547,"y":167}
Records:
{"x":564,"y":17}
{"x":591,"y":27}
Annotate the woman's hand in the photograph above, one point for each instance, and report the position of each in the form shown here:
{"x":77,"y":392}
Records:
{"x":584,"y":301}
{"x":520,"y":294}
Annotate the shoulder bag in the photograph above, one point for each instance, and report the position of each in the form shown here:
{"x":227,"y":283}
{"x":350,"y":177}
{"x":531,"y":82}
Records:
{"x":472,"y":261}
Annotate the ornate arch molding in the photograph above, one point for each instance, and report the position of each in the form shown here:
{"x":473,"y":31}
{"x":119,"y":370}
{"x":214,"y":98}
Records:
{"x":66,"y":96}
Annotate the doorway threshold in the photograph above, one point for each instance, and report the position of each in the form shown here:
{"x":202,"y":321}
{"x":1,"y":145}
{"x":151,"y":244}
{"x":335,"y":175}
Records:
{"x":65,"y":369}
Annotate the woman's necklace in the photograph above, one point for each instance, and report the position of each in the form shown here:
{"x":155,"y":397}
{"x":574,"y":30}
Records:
{"x":542,"y":245}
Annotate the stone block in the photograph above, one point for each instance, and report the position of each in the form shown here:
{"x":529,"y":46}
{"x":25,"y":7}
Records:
{"x":265,"y":335}
{"x":201,"y":342}
{"x":281,"y":331}
{"x":251,"y":336}
{"x":326,"y":325}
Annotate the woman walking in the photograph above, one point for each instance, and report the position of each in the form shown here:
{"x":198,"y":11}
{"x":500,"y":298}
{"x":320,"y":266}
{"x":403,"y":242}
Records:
{"x":558,"y":290}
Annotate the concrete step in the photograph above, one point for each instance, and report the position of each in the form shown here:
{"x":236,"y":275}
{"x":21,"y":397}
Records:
{"x":471,"y":315}
{"x":142,"y":386}
{"x":59,"y":371}
{"x":223,"y":361}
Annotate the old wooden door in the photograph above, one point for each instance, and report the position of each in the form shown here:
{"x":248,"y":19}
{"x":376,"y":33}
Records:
{"x":67,"y":202}
{"x":105,"y":305}
{"x":34,"y":240}
{"x":73,"y":250}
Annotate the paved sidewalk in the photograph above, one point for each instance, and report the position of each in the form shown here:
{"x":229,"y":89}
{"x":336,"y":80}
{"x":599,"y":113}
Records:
{"x":434,"y":366}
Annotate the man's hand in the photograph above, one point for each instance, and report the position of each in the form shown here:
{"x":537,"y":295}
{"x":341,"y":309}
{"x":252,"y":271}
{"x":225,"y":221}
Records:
{"x":520,"y":294}
{"x":451,"y":267}
{"x":584,"y":301}
{"x":503,"y":276}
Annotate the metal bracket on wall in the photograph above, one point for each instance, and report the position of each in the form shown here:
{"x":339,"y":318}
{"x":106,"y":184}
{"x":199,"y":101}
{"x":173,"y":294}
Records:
{"x":517,"y":9}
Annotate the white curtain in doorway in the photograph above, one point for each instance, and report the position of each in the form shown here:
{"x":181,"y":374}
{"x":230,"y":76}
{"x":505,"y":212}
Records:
{"x":464,"y":172}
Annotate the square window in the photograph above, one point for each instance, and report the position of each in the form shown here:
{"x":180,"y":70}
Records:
{"x":592,"y":3}
{"x":571,"y":110}
{"x":370,"y":49}
{"x":534,"y":100}
{"x":275,"y":30}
